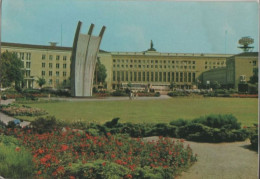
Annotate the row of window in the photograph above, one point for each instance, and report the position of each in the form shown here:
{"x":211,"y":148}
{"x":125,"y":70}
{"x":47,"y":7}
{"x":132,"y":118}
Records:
{"x":23,"y":55}
{"x":120,"y":76}
{"x":57,"y":73}
{"x":51,"y":57}
{"x":212,"y":67}
{"x":57,"y":65}
{"x":153,"y":61}
{"x":215,"y":63}
{"x":57,"y":81}
{"x":153,"y":66}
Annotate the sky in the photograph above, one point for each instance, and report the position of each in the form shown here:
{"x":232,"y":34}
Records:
{"x":176,"y":27}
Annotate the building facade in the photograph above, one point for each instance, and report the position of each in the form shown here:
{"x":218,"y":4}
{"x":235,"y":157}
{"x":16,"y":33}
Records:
{"x":158,"y":70}
{"x":239,"y":68}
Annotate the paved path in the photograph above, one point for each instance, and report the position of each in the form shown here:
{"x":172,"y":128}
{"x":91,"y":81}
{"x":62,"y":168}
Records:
{"x":223,"y":161}
{"x":5,"y":118}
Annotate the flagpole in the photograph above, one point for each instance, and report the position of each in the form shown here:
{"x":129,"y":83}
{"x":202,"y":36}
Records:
{"x":0,"y":47}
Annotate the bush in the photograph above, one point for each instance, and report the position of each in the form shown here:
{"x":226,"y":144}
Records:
{"x":254,"y":141}
{"x":45,"y":124}
{"x":227,"y":121}
{"x":179,"y":122}
{"x":119,"y":93}
{"x":157,"y":94}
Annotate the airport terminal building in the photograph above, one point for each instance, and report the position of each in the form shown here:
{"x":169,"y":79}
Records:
{"x":148,"y":68}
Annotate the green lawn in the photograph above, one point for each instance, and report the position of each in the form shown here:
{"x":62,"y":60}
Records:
{"x":155,"y":111}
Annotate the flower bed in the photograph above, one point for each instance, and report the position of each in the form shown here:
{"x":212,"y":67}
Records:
{"x":16,"y":110}
{"x":76,"y":154}
{"x":244,"y":95}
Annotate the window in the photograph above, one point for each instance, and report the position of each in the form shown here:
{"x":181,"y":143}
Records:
{"x":193,"y":62}
{"x":164,"y":76}
{"x":57,"y":65}
{"x":43,"y":65}
{"x":50,"y":82}
{"x":147,"y":76}
{"x":151,"y":76}
{"x":172,"y":62}
{"x":156,"y":76}
{"x":57,"y":73}
{"x":139,"y":76}
{"x":206,"y":67}
{"x":57,"y":57}
{"x":64,"y":58}
{"x":114,"y":60}
{"x":160,"y":76}
{"x":135,"y":61}
{"x":22,"y":56}
{"x":156,"y":61}
{"x":173,"y":76}
{"x":43,"y":56}
{"x":185,"y":76}
{"x":189,"y":77}
{"x":64,"y":65}
{"x":43,"y":73}
{"x":254,"y":63}
{"x":126,"y":66}
{"x":57,"y":81}
{"x":193,"y":77}
{"x":28,"y":73}
{"x":131,"y":76}
{"x":181,"y":76}
{"x":114,"y":76}
{"x":28,"y":56}
{"x":50,"y":73}
{"x":147,"y":66}
{"x":193,"y":67}
{"x":50,"y":57}
{"x":118,"y":60}
{"x":122,"y":76}
{"x":139,"y":66}
{"x":28,"y":65}
{"x":143,"y":76}
{"x":177,"y":77}
{"x":169,"y":77}
{"x":131,"y":66}
{"x":139,"y":61}
{"x":50,"y":65}
{"x":135,"y":76}
{"x":122,"y":66}
{"x":64,"y":73}
{"x":118,"y":66}
{"x":118,"y":75}
{"x":114,"y":65}
{"x":126,"y":76}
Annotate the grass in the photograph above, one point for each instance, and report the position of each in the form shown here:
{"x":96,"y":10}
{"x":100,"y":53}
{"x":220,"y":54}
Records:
{"x":15,"y":161}
{"x":154,"y":111}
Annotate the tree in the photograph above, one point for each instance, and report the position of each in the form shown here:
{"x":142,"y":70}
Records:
{"x":10,"y":70}
{"x":254,"y":78}
{"x":41,"y":81}
{"x":172,"y":85}
{"x":100,"y":72}
{"x":215,"y":85}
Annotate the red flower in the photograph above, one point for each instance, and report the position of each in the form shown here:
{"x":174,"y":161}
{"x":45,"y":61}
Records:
{"x":104,"y":163}
{"x":39,"y":172}
{"x":129,"y":176}
{"x":64,"y":147}
{"x":72,"y":177}
{"x":17,"y":149}
{"x":113,"y":155}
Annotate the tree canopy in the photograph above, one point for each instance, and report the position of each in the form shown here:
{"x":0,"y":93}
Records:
{"x":10,"y":69}
{"x":100,"y":72}
{"x":41,"y":81}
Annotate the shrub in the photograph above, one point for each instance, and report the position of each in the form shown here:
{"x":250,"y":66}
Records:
{"x":254,"y":141}
{"x":179,"y":122}
{"x":45,"y":124}
{"x":119,"y":93}
{"x":219,"y":121}
{"x":157,"y":94}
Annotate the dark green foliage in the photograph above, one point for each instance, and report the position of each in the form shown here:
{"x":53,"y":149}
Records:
{"x":10,"y":69}
{"x":45,"y":124}
{"x":254,"y":141}
{"x":227,"y":121}
{"x":41,"y":81}
{"x":98,"y":169}
{"x":157,"y":94}
{"x":119,"y":93}
{"x":100,"y":72}
{"x":179,"y":122}
{"x":177,"y":93}
{"x":112,"y":123}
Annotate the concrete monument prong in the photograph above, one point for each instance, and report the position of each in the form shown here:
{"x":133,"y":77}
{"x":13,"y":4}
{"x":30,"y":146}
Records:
{"x":83,"y":62}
